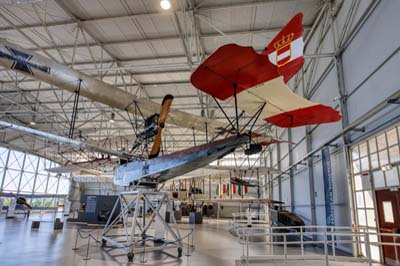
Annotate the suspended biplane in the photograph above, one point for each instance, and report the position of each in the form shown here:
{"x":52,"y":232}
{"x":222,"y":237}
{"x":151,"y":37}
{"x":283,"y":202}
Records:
{"x":253,"y":82}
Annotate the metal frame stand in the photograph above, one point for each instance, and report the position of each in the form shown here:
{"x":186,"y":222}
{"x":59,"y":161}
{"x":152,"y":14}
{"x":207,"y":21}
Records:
{"x":138,"y":234}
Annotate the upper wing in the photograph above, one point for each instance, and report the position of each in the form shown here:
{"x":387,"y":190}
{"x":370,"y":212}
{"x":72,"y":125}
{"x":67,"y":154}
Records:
{"x":232,"y":65}
{"x":259,"y":80}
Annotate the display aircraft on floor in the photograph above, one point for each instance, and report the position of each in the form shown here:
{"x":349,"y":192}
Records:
{"x":253,"y":82}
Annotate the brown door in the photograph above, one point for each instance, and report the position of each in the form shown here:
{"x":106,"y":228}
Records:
{"x":389,"y":222}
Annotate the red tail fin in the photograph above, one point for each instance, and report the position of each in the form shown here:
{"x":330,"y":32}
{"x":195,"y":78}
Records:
{"x":286,"y":49}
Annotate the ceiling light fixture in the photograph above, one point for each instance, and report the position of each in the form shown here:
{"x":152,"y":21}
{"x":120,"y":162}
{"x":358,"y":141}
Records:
{"x":112,"y":118}
{"x":165,"y":4}
{"x":33,"y":121}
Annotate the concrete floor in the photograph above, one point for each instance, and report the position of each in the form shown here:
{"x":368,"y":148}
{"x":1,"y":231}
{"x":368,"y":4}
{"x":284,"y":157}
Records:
{"x":19,"y":245}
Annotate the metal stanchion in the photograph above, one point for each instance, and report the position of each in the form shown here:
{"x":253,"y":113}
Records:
{"x":285,"y":248}
{"x":192,"y":234}
{"x":302,"y":242}
{"x":368,"y":249}
{"x":333,"y":242}
{"x":188,"y":246}
{"x":76,"y":240}
{"x":272,"y":240}
{"x":144,"y":253}
{"x":326,"y":250}
{"x":247,"y":248}
{"x":395,"y":247}
{"x":98,"y":234}
{"x":242,"y":242}
{"x":87,"y":250}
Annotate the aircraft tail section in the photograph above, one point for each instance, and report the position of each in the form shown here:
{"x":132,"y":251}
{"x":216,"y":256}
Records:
{"x":286,"y":49}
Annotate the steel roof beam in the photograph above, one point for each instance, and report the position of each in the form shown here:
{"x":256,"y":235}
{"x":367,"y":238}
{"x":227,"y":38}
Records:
{"x":165,"y":38}
{"x":146,"y":14}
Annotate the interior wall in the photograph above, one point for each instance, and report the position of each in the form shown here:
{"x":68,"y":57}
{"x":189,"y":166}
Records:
{"x":370,"y":63}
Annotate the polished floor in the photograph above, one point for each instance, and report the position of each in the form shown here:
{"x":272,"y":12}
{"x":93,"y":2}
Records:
{"x":19,"y":245}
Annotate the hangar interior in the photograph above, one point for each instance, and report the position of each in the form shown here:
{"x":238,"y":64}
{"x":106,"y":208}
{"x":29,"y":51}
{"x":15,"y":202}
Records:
{"x":79,"y":78}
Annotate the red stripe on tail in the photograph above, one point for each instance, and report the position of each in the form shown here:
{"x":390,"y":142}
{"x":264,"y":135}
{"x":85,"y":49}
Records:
{"x":316,"y":114}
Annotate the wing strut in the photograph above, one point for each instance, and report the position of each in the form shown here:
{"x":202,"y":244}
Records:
{"x":223,"y":111}
{"x":236,"y":108}
{"x":74,"y":111}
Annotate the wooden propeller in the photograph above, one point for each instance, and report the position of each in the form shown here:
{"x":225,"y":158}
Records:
{"x":165,"y":106}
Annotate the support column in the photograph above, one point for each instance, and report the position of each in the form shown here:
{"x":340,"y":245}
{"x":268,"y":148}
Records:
{"x":291,"y":172}
{"x":5,"y":170}
{"x":311,"y":182}
{"x":271,"y":182}
{"x":278,"y":152}
{"x":21,"y":174}
{"x":345,"y":123}
{"x":209,"y":188}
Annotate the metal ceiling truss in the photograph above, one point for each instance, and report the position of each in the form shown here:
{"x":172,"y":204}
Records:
{"x":53,"y":111}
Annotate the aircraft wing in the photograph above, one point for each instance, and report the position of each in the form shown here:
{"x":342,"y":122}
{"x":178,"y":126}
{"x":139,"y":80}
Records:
{"x":71,"y":168}
{"x":245,"y":201}
{"x":242,"y":168}
{"x":266,"y":140}
{"x":79,"y":170}
{"x":94,"y":172}
{"x":259,"y":80}
{"x":39,"y":67}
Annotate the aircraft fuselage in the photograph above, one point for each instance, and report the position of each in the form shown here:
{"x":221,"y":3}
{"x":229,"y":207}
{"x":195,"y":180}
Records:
{"x":178,"y":163}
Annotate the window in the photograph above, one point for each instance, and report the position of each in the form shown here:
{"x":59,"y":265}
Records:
{"x":364,"y":164}
{"x":358,"y":182}
{"x":369,"y":202}
{"x":381,"y":140}
{"x":11,"y":180}
{"x":3,"y":157}
{"x":379,"y":179}
{"x":388,"y":212}
{"x":392,"y":177}
{"x":26,"y":174}
{"x":367,"y":159}
{"x":372,"y":145}
{"x":361,"y":217}
{"x":356,"y":166}
{"x":374,"y":161}
{"x":394,"y":154}
{"x":392,"y":137}
{"x":371,"y":218}
{"x":41,"y":182}
{"x":360,"y":199}
{"x":363,"y":150}
{"x":27,"y":182}
{"x":354,"y":153}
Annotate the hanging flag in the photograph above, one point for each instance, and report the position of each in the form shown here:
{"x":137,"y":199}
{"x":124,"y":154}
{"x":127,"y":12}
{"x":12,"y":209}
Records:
{"x":240,"y":190}
{"x":233,"y":189}
{"x":228,"y":189}
{"x":223,"y":189}
{"x":246,"y":189}
{"x":217,"y":191}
